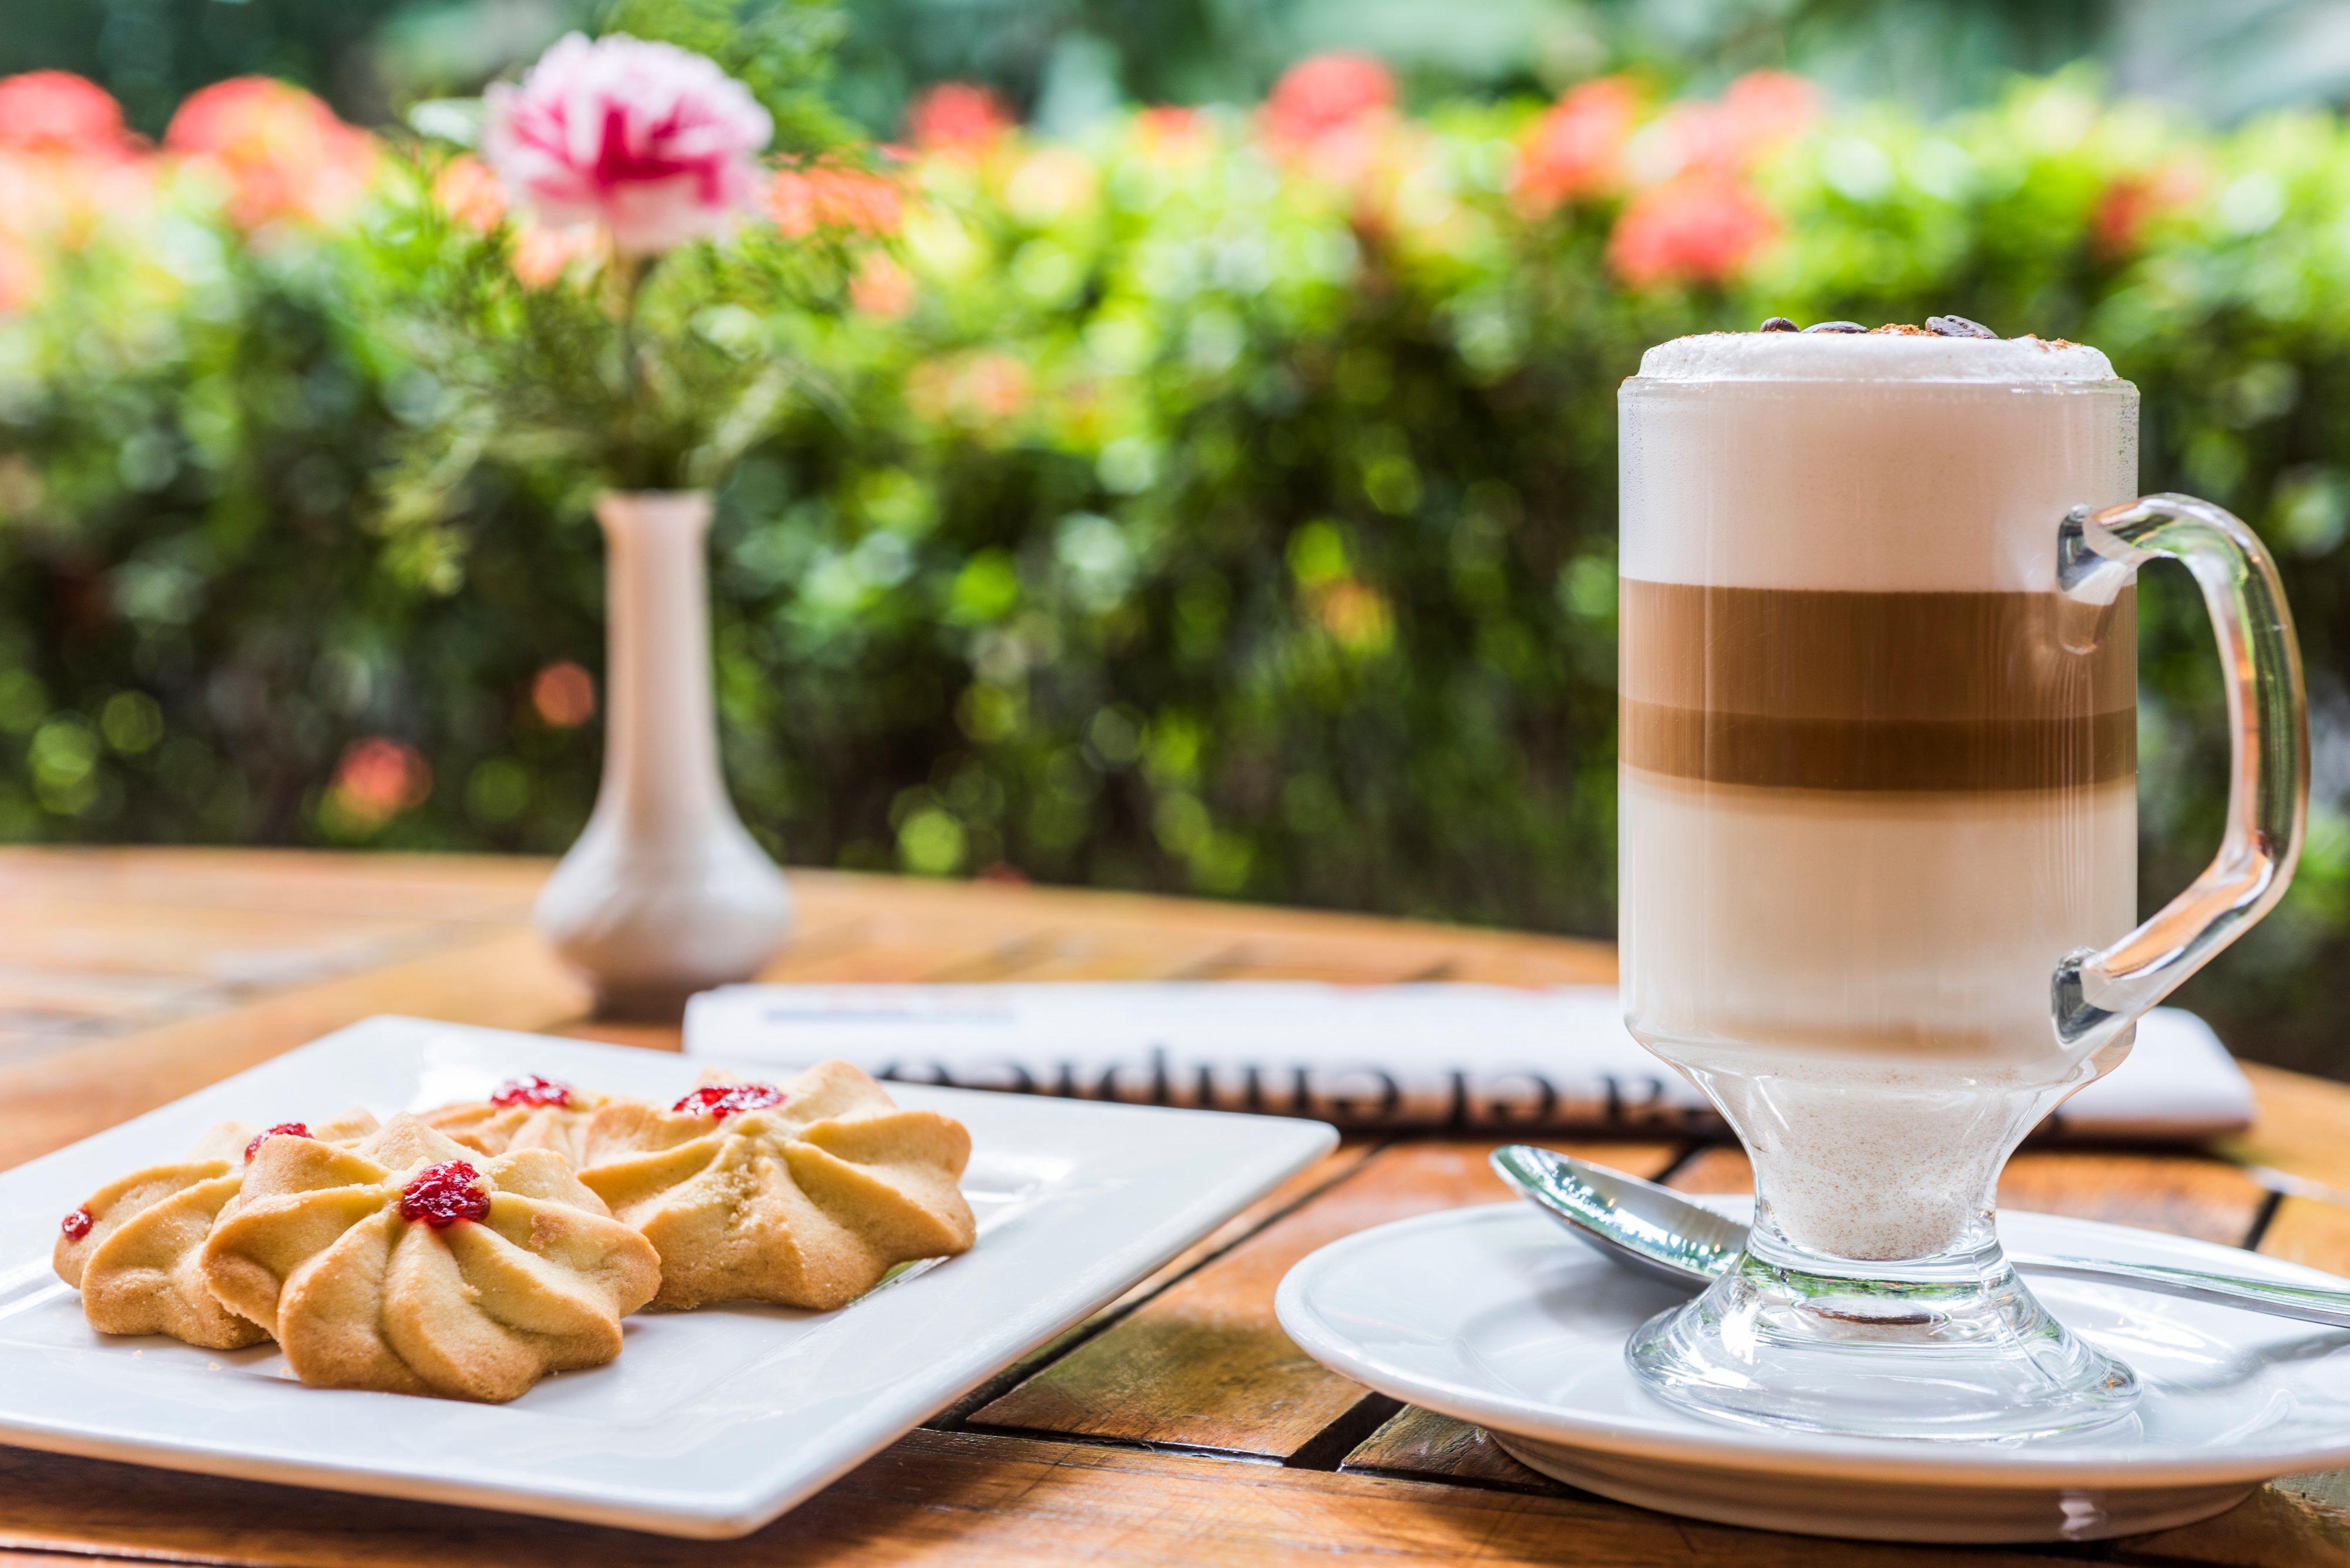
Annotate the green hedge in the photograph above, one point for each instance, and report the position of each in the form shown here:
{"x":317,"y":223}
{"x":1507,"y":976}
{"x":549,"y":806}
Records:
{"x":1217,"y":520}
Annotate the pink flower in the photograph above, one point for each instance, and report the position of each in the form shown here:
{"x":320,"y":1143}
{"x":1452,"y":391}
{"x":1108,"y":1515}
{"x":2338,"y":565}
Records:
{"x":1756,"y":115}
{"x":958,"y":118}
{"x":1575,"y":150}
{"x":1698,"y":228}
{"x":57,"y":112}
{"x":653,"y":142}
{"x":282,"y":151}
{"x":1770,"y":109}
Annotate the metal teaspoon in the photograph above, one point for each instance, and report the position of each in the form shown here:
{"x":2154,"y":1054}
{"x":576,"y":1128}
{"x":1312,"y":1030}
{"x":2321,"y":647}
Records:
{"x":1653,"y":1230}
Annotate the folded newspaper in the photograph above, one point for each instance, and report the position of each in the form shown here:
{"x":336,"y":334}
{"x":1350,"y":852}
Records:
{"x":1470,"y":1057}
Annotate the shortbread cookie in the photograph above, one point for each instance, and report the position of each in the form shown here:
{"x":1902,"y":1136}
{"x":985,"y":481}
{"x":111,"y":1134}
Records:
{"x":134,"y":1249}
{"x":522,"y":1113}
{"x":803,"y":1195}
{"x":402,"y":1265}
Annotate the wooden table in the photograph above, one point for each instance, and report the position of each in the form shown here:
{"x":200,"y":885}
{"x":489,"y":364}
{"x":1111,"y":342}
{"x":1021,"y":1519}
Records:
{"x":1178,"y":1426}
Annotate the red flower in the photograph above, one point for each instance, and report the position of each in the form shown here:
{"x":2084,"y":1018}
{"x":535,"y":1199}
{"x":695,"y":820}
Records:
{"x":827,"y":196}
{"x":2118,"y":224}
{"x":378,"y":778}
{"x":59,"y":112}
{"x":1327,"y":96}
{"x":1700,"y":228}
{"x":958,"y":117}
{"x":282,"y":151}
{"x":1575,"y":150}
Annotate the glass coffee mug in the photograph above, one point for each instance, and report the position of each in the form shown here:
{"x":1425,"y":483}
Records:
{"x":1878,"y":836}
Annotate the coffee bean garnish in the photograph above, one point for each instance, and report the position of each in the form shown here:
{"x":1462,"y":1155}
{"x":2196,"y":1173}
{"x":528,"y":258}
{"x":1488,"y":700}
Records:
{"x":1957,"y":327}
{"x":1836,"y":327}
{"x":1777,"y":324}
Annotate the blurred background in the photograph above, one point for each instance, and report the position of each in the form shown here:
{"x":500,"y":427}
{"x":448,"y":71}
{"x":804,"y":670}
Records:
{"x":1202,"y":475}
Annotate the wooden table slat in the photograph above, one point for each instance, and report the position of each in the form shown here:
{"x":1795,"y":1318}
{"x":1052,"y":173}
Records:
{"x":967,"y":1499}
{"x":1204,"y":1364}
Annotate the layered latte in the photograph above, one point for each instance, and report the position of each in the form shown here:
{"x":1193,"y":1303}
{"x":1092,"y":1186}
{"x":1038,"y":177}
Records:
{"x":1877,"y":774}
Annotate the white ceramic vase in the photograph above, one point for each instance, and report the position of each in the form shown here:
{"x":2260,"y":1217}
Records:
{"x":665,"y":893}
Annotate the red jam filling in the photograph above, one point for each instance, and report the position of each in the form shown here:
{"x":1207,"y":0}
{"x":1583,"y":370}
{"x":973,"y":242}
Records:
{"x":531,"y":1091}
{"x":718,"y":1101}
{"x":441,"y":1195}
{"x":77,"y":1224}
{"x":291,"y":1129}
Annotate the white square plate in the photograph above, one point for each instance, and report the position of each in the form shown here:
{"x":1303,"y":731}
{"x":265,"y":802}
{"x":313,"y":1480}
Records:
{"x":711,"y":1422}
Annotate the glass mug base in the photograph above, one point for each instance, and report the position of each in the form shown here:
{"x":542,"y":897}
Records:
{"x":1951,"y":1347}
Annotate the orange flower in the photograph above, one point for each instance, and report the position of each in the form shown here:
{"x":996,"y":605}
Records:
{"x":564,"y":695}
{"x":958,"y":118}
{"x":1357,"y":614}
{"x":1575,"y":150}
{"x":281,"y":151}
{"x":469,"y":190}
{"x":882,"y":287}
{"x":378,"y":779}
{"x":982,"y":388}
{"x":996,"y":385}
{"x":542,"y":256}
{"x":1699,"y":228}
{"x":829,"y":196}
{"x":1171,"y":134}
{"x":59,"y":112}
{"x":20,"y":277}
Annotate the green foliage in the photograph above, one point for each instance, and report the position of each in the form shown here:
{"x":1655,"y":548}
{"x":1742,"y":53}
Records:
{"x":616,"y":374}
{"x":1202,"y":526}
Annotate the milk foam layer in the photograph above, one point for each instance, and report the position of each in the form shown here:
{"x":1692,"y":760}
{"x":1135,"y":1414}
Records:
{"x":1891,"y":484}
{"x":1871,"y":357}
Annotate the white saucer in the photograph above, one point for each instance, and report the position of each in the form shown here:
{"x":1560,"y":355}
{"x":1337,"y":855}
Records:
{"x":1494,"y":1315}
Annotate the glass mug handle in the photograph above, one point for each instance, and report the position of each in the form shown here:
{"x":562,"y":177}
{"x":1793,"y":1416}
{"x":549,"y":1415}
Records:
{"x":2099,"y":992}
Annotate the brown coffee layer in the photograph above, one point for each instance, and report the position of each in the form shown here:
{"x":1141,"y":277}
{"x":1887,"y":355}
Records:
{"x":1902,"y":755}
{"x":1809,"y":653}
{"x":1812,"y":688}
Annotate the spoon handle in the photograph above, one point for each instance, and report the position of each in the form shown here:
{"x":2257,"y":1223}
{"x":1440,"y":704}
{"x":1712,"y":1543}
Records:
{"x":2300,"y":1301}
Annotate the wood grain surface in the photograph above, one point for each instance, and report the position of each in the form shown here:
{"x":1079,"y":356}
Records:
{"x":1177,"y":1426}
